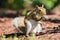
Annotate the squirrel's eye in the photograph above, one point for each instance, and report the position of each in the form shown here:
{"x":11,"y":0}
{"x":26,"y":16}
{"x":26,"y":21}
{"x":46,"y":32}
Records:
{"x":39,"y":10}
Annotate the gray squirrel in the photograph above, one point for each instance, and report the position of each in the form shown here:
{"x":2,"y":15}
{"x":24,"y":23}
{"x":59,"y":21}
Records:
{"x":32,"y":20}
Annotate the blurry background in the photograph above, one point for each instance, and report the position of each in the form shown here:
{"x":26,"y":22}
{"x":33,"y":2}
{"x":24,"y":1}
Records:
{"x":22,"y":6}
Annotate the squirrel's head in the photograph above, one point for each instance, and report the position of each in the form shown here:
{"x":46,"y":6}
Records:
{"x":41,"y":10}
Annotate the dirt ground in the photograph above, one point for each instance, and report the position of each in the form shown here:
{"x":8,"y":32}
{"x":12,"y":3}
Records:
{"x":51,"y":27}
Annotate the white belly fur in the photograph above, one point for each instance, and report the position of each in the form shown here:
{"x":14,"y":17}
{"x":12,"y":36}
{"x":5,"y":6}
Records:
{"x":31,"y":24}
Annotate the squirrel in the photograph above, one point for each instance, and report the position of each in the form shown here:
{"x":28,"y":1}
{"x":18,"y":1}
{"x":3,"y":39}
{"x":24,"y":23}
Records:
{"x":32,"y":20}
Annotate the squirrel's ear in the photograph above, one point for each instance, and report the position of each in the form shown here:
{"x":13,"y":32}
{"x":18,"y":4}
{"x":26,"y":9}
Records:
{"x":37,"y":6}
{"x":42,"y":6}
